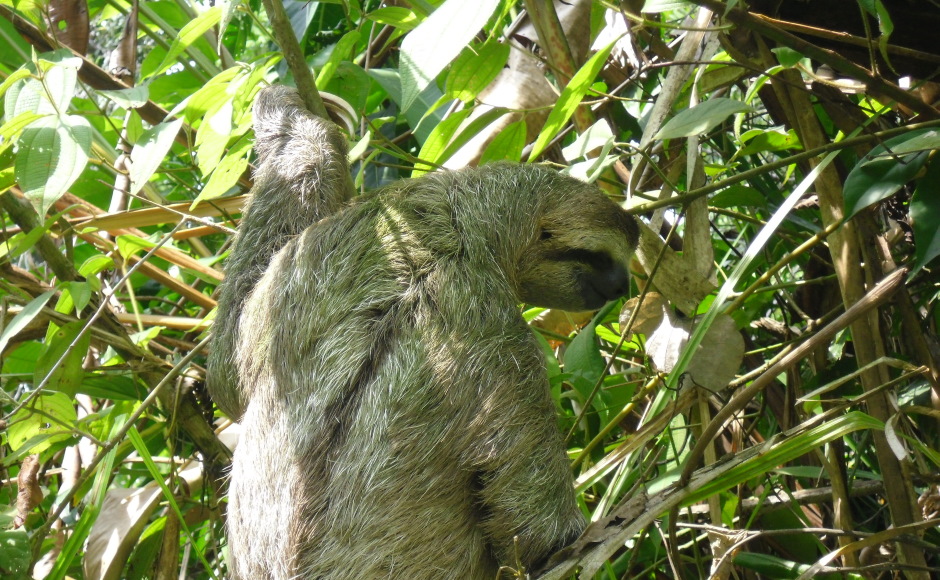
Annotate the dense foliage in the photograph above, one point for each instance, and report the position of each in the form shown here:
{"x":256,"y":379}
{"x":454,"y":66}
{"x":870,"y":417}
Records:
{"x":765,"y":405}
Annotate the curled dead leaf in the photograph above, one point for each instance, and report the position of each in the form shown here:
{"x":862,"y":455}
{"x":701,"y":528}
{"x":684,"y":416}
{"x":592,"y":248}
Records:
{"x":650,"y":315}
{"x":28,"y":494}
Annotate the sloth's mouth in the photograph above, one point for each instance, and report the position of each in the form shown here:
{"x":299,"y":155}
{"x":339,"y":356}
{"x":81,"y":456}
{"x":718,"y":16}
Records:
{"x":594,"y":297}
{"x":598,"y":288}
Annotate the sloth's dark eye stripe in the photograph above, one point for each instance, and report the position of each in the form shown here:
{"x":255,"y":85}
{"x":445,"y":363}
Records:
{"x":599,"y":260}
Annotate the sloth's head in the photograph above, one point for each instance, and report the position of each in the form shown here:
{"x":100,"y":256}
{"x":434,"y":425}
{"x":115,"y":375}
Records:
{"x":560,"y":243}
{"x":579,"y":256}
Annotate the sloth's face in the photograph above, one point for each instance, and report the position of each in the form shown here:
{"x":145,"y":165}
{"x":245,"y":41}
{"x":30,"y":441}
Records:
{"x":579,"y":257}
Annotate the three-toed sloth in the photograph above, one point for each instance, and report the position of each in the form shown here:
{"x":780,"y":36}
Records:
{"x":397,"y":420}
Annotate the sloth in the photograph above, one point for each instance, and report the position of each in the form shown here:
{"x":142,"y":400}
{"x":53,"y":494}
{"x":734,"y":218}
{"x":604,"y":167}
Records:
{"x":396,"y":414}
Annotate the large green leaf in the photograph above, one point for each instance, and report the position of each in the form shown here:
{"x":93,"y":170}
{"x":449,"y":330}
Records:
{"x":437,"y":41}
{"x":49,"y":89}
{"x":52,"y":153}
{"x":396,"y":16}
{"x":340,"y":52}
{"x":885,"y":170}
{"x":23,"y":318}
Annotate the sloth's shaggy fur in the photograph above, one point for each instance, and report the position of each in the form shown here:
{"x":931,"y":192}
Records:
{"x":397,"y":417}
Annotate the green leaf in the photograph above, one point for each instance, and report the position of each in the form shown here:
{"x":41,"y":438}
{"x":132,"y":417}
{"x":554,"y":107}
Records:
{"x":437,"y":41}
{"x":418,"y":117}
{"x":475,"y":69}
{"x":12,"y":128}
{"x":52,"y":153}
{"x":877,"y":177}
{"x":885,"y":25}
{"x":570,"y":99}
{"x":585,"y":364}
{"x":916,"y":141}
{"x":113,"y":386}
{"x":597,"y":136}
{"x":471,"y":130}
{"x":437,"y":141}
{"x":15,"y":554}
{"x":25,"y":316}
{"x":134,"y":436}
{"x":781,"y":450}
{"x":80,"y":293}
{"x":132,"y":98}
{"x":209,"y":98}
{"x":18,"y":75}
{"x":396,"y":16}
{"x":341,"y":52}
{"x":228,"y":171}
{"x":761,"y":140}
{"x":188,"y":35}
{"x":149,"y":152}
{"x":48,"y":90}
{"x":738,"y":196}
{"x":210,"y":146}
{"x":41,"y":424}
{"x":787,"y":56}
{"x":354,"y":85}
{"x":925,"y":217}
{"x":65,"y":374}
{"x":701,"y":118}
{"x":775,"y":567}
{"x":95,"y":264}
{"x":7,"y":180}
{"x":507,"y":145}
{"x":129,"y":244}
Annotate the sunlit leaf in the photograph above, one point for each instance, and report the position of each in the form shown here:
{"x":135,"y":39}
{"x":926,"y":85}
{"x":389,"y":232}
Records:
{"x":507,"y":145}
{"x":597,"y":136}
{"x":475,"y":69}
{"x":44,"y":422}
{"x":438,"y":139}
{"x":569,"y":99}
{"x":129,"y":244}
{"x":396,"y":16}
{"x":131,"y":98}
{"x":52,"y":153}
{"x":150,"y":151}
{"x":189,"y":34}
{"x":437,"y":41}
{"x":228,"y":171}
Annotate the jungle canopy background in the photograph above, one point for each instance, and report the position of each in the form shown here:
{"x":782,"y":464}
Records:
{"x":765,"y":405}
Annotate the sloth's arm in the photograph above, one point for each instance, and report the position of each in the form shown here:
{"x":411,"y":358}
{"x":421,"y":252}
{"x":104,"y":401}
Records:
{"x":525,"y":485}
{"x":302,"y":176}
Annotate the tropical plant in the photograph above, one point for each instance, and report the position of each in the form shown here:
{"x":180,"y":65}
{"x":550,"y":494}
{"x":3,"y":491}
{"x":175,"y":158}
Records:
{"x":764,"y":405}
